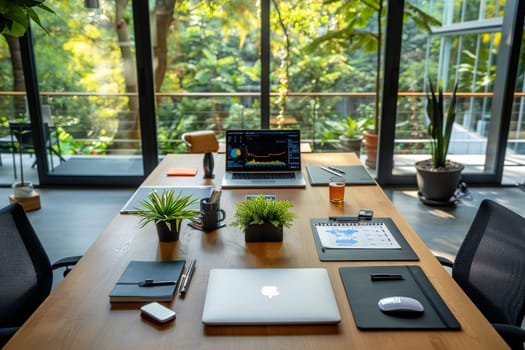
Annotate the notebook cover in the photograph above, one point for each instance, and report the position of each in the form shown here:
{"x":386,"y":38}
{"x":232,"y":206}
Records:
{"x":127,"y":288}
{"x":354,"y":175}
{"x":365,"y":254}
{"x":363,"y":295}
{"x":181,"y":172}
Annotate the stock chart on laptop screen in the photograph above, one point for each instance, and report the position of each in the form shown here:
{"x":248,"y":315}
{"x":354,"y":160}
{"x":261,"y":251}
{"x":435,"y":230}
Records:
{"x":263,"y":150}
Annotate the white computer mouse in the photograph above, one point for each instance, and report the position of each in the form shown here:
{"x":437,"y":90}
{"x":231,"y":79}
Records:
{"x":399,"y":305}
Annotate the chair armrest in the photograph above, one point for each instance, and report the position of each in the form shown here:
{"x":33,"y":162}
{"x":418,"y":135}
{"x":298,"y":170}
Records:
{"x":66,"y":262}
{"x":513,"y":335}
{"x":5,"y":334}
{"x":444,"y":261}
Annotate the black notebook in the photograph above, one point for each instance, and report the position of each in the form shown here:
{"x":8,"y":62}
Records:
{"x":363,"y":295}
{"x":128,"y":287}
{"x":354,"y":175}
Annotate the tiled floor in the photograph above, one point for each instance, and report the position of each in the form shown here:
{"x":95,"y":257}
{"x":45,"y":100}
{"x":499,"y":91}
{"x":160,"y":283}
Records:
{"x":71,"y":218}
{"x":443,"y":228}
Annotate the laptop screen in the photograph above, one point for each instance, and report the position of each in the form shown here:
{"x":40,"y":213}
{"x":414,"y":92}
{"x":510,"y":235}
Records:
{"x":263,"y":150}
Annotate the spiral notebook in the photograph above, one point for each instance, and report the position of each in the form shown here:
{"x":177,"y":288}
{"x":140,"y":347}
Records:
{"x":377,"y":239}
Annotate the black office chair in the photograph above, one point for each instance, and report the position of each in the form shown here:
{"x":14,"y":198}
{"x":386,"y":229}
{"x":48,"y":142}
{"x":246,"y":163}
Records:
{"x":490,"y":268}
{"x":26,"y":274}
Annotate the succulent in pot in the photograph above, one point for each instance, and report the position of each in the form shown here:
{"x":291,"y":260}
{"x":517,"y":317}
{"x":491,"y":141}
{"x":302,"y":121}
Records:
{"x":166,"y":210}
{"x":438,"y":177}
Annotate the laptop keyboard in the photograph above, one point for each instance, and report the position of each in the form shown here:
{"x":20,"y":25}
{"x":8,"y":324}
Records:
{"x":263,"y":176}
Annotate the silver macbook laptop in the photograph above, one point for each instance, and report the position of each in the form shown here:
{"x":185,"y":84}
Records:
{"x":263,"y":158}
{"x":269,"y":296}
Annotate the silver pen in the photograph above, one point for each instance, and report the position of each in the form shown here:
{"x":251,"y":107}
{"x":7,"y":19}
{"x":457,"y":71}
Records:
{"x":187,"y":280}
{"x":336,"y":169}
{"x":331,"y":171}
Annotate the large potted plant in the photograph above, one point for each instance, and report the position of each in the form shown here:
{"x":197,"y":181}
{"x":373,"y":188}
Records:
{"x":438,"y":177}
{"x":262,"y":219}
{"x":166,"y":210}
{"x":15,"y":15}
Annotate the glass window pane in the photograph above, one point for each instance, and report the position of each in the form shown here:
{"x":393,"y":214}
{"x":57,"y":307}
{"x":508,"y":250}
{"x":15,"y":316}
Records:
{"x":320,"y":72}
{"x":88,"y":83}
{"x":12,"y":104}
{"x":467,"y":55}
{"x":514,"y":170}
{"x":208,"y":68}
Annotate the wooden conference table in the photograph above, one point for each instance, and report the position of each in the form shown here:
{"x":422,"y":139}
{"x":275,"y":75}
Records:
{"x":78,"y":314}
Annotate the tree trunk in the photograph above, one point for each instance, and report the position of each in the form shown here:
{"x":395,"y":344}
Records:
{"x":18,"y":73}
{"x":129,"y":125}
{"x":127,"y":137}
{"x":161,"y":21}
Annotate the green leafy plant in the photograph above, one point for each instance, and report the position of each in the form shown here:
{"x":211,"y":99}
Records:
{"x":347,"y":127}
{"x":260,"y":210}
{"x":15,"y":15}
{"x":440,"y":126}
{"x":165,"y":207}
{"x":353,"y":33}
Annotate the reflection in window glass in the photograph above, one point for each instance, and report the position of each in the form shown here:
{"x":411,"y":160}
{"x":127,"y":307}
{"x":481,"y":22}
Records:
{"x":449,"y":55}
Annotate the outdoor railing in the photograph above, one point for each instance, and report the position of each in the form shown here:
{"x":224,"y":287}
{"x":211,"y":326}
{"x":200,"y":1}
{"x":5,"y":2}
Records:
{"x":220,"y":111}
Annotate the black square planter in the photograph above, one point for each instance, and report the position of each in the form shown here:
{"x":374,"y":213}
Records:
{"x":266,"y":232}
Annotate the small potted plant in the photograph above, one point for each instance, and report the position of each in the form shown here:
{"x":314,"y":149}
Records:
{"x":262,"y":219}
{"x":438,"y":177}
{"x":166,"y":210}
{"x":350,"y":132}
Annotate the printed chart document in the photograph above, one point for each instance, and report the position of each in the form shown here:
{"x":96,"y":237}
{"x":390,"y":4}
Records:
{"x":378,"y":239}
{"x":364,"y":235}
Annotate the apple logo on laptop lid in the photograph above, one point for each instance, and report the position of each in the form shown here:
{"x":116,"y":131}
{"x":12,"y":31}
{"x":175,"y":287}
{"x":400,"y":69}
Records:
{"x":270,"y":291}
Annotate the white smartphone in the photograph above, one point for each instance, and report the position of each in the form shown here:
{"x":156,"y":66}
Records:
{"x":158,"y":312}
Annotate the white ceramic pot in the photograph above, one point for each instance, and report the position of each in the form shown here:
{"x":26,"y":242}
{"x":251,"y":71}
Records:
{"x":23,"y":190}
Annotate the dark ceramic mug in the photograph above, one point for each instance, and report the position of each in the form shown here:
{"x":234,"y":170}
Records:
{"x":211,"y":214}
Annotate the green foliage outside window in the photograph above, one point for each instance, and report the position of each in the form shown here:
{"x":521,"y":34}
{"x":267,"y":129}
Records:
{"x":213,"y":46}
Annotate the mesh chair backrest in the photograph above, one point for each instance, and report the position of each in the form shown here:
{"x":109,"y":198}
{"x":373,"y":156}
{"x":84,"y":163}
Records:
{"x":490,"y":264}
{"x":25,"y":271}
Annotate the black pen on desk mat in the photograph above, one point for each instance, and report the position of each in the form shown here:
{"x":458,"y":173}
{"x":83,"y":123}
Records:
{"x":189,"y":274}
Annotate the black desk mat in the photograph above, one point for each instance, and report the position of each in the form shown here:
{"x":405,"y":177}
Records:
{"x":363,"y":295}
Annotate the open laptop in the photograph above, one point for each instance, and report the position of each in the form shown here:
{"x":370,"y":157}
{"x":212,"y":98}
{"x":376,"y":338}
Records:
{"x":284,"y":296}
{"x":263,"y":158}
